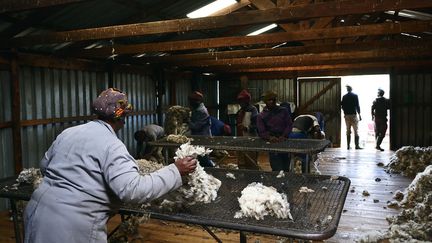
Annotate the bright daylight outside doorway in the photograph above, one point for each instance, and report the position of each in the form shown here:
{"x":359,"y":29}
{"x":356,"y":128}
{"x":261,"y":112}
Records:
{"x":366,"y":87}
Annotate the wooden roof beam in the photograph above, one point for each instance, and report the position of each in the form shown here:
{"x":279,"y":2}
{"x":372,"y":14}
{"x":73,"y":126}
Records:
{"x":292,"y":13}
{"x":363,"y":65}
{"x":311,"y":34}
{"x":21,"y":5}
{"x":314,"y":59}
{"x":318,"y":48}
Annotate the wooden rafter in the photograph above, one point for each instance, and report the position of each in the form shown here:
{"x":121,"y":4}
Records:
{"x":292,"y":13}
{"x":312,"y":34}
{"x":314,"y":59}
{"x":343,"y":66}
{"x":20,"y":5}
{"x":289,"y":50}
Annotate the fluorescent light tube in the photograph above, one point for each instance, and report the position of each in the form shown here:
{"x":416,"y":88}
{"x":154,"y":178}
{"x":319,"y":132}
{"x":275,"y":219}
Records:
{"x":210,"y":8}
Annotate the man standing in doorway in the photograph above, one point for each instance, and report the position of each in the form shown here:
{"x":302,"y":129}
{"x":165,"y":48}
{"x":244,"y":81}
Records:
{"x":379,"y":116}
{"x":350,"y":106}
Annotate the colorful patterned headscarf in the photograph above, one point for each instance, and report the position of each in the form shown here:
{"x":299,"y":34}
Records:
{"x":111,"y":104}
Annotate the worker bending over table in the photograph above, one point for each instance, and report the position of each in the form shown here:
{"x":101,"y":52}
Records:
{"x":307,"y":127}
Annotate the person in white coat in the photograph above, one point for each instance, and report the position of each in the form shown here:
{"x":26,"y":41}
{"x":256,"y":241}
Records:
{"x":88,"y":172}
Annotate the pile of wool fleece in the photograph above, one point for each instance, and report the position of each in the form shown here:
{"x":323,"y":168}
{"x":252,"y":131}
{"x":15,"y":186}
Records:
{"x":414,"y":223}
{"x":30,"y":176}
{"x":175,"y":120}
{"x":147,"y":166}
{"x":201,"y":187}
{"x":174,"y":138}
{"x":410,"y":160}
{"x":258,"y":201}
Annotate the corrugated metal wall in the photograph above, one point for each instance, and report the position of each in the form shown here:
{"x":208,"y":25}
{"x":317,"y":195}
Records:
{"x":209,"y":89}
{"x":63,"y":93}
{"x":285,"y":88}
{"x":53,"y":93}
{"x":141,"y":91}
{"x":328,"y":104}
{"x":6,"y":148}
{"x":182,"y":88}
{"x":411,"y":111}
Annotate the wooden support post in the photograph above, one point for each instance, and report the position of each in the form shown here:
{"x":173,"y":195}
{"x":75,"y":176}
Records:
{"x":160,"y":91}
{"x":16,"y":113}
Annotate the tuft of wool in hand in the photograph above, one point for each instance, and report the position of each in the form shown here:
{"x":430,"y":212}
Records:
{"x":258,"y":201}
{"x":188,"y":150}
{"x":201,"y":187}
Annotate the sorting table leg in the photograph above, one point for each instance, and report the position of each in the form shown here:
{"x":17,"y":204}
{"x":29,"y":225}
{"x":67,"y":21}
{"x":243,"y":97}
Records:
{"x":15,"y":221}
{"x":211,"y":233}
{"x":243,"y":238}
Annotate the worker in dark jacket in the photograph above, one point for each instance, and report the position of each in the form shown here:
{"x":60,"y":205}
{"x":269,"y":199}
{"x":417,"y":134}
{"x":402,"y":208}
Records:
{"x":379,"y":116}
{"x":350,"y":106}
{"x":246,"y":116}
{"x":148,"y":134}
{"x":199,"y":123}
{"x":274,"y":125}
{"x":246,"y":126}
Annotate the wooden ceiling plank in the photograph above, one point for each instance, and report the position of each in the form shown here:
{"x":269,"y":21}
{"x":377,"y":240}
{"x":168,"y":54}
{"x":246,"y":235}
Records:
{"x":292,"y":13}
{"x":263,"y":4}
{"x":283,"y":3}
{"x":315,"y":59}
{"x":363,"y":65}
{"x":312,"y":34}
{"x":21,"y":5}
{"x":289,"y":50}
{"x":232,"y":8}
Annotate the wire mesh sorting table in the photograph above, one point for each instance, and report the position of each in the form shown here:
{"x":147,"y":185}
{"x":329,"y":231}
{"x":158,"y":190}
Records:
{"x":315,"y":215}
{"x":255,"y":144}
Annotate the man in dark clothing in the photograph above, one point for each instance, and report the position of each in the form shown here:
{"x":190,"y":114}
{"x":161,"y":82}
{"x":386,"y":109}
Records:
{"x":274,"y":125}
{"x":200,"y":123}
{"x":379,"y":115}
{"x":246,"y":116}
{"x":350,"y":106}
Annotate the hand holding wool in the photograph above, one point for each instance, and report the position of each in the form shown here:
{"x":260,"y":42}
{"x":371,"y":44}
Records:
{"x":186,"y":165}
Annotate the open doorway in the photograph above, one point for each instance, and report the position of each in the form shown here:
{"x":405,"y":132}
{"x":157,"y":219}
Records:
{"x":366,"y":87}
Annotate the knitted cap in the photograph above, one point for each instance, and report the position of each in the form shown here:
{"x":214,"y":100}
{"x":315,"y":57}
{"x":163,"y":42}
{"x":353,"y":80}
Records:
{"x":244,"y":95}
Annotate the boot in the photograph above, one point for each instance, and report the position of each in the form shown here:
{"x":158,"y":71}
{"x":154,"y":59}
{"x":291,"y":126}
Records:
{"x":348,"y":141}
{"x":356,"y":140}
{"x":378,"y":144}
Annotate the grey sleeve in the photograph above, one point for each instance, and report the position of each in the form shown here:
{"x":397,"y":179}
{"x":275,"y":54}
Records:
{"x":43,"y":164}
{"x":122,"y":176}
